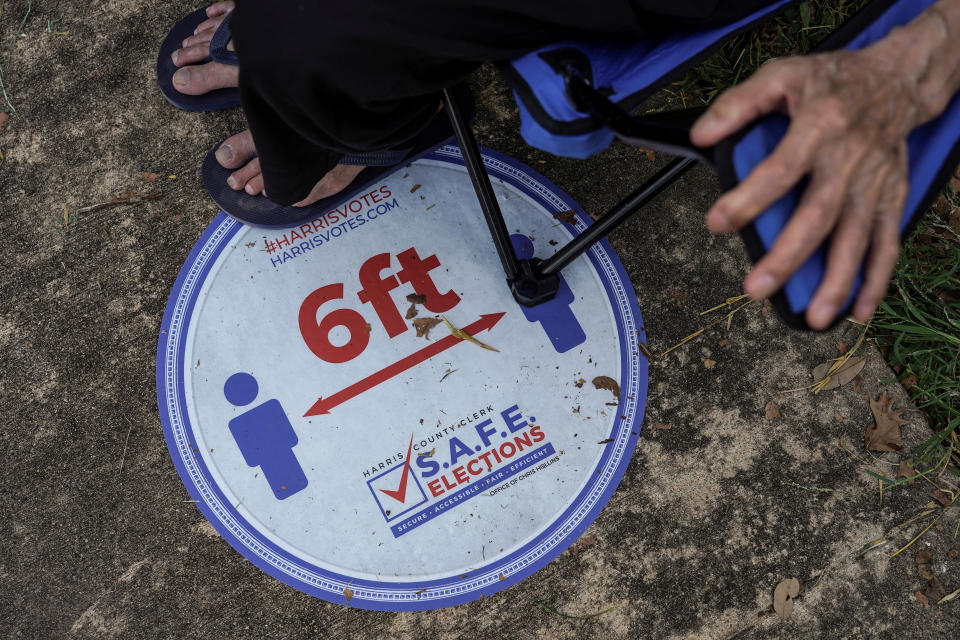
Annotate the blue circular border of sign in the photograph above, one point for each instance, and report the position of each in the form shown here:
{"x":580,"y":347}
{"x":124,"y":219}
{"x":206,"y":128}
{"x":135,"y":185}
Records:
{"x":432,"y":594}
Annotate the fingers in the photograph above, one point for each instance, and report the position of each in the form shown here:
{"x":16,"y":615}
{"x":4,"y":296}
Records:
{"x":236,"y":150}
{"x":847,"y":248}
{"x":884,"y":252}
{"x":763,"y":93}
{"x":769,"y":180}
{"x":812,"y":221}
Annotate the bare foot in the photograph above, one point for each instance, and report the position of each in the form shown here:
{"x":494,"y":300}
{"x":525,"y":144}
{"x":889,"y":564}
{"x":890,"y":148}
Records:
{"x":238,"y":151}
{"x":196,"y":79}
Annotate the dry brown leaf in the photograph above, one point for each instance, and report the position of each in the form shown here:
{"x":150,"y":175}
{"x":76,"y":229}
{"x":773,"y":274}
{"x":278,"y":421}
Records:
{"x":884,"y":434}
{"x":607,"y":441}
{"x":4,"y":118}
{"x":423,"y":326}
{"x":608,"y":383}
{"x":416,"y":298}
{"x":149,"y":176}
{"x":722,"y":342}
{"x":922,"y":599}
{"x":582,"y":544}
{"x":909,"y":382}
{"x":924,"y":560}
{"x":906,"y":470}
{"x":411,"y":312}
{"x":428,"y":454}
{"x":850,"y":370}
{"x":463,"y":335}
{"x":783,"y":597}
{"x":566,"y":216}
{"x":772,"y":411}
{"x":708,"y":363}
{"x":502,"y":577}
{"x":651,"y":155}
{"x":953,"y":554}
{"x":842,"y":347}
{"x":934,"y":590}
{"x":347,"y":594}
{"x":661,"y":426}
{"x":942,"y":497}
{"x":415,"y":187}
{"x":579,"y":383}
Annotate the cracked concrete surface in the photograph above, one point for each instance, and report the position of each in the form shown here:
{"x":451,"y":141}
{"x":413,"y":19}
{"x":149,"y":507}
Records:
{"x":711,"y":514}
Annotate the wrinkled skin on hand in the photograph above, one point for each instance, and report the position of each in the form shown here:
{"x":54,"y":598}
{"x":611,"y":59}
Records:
{"x":851,"y":112}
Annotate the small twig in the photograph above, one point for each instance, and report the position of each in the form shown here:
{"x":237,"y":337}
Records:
{"x":569,"y":617}
{"x":133,"y":199}
{"x":124,"y":455}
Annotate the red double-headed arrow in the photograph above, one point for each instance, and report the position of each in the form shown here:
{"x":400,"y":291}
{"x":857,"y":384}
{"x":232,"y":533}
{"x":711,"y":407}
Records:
{"x":323,"y":405}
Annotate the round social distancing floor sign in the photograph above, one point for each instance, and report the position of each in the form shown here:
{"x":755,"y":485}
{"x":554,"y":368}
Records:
{"x":337,"y":431}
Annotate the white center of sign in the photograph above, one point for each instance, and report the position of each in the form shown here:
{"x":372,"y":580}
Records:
{"x":337,"y":432}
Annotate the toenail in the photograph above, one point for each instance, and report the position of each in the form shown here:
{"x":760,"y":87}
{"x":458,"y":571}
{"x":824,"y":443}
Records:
{"x":232,"y":182}
{"x":249,"y":189}
{"x":175,"y":55}
{"x":225,"y":154}
{"x":181,"y":78}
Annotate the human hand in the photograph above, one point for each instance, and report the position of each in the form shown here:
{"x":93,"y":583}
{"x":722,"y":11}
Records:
{"x":851,"y":112}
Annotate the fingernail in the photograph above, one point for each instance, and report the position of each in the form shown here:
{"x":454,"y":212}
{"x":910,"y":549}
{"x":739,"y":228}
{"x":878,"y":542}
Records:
{"x":718,"y":222}
{"x":822,"y":314}
{"x":225,"y":154}
{"x":181,"y":78}
{"x":232,"y":182}
{"x":760,"y":285}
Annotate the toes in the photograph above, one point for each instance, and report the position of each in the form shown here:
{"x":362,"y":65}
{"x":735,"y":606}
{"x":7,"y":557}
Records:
{"x":220,"y":8}
{"x":199,"y":79}
{"x":255,"y":185}
{"x":203,"y":37}
{"x":190,"y":55}
{"x":236,"y":150}
{"x":239,"y":178}
{"x":336,"y":180}
{"x":210,"y":24}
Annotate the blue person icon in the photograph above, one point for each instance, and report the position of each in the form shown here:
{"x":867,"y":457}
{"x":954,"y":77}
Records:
{"x":265,"y":437}
{"x":555,"y":316}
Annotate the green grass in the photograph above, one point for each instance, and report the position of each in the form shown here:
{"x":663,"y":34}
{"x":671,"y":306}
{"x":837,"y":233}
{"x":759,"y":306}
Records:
{"x":918,"y":325}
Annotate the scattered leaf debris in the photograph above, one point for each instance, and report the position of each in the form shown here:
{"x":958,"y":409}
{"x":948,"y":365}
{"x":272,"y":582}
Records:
{"x":411,"y":312}
{"x":502,"y":577}
{"x":421,"y":591}
{"x":608,"y":383}
{"x":884,"y":434}
{"x":922,"y":599}
{"x":924,"y":560}
{"x":708,"y":363}
{"x":906,"y":470}
{"x":582,"y":544}
{"x":415,"y":187}
{"x":607,"y":441}
{"x":772,"y":411}
{"x":4,"y":118}
{"x":126,"y":197}
{"x":850,"y":370}
{"x":567,"y":216}
{"x":579,"y":383}
{"x":661,"y":426}
{"x":427,"y":454}
{"x":416,"y":298}
{"x":347,"y":593}
{"x":842,"y":347}
{"x":149,"y":176}
{"x":783,"y":597}
{"x":423,"y":326}
{"x":463,"y":335}
{"x":942,"y":497}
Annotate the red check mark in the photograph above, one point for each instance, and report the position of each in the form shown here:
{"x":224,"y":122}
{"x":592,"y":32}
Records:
{"x":400,"y":495}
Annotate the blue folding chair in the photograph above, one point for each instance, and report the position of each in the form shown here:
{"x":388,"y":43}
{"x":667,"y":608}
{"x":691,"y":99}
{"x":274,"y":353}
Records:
{"x":575,"y":98}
